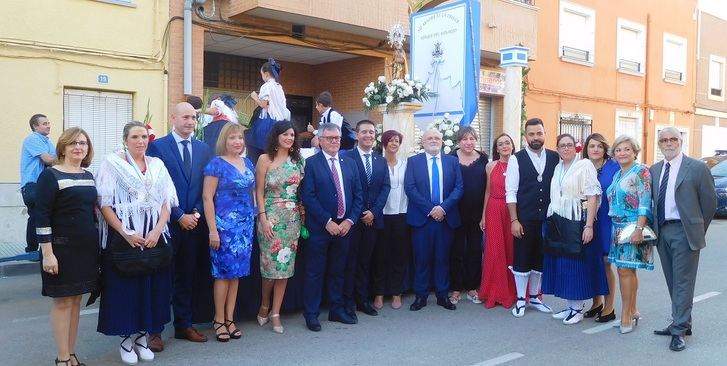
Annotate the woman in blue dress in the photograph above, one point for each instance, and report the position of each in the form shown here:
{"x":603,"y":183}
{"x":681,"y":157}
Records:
{"x":227,"y":192}
{"x":272,"y":102}
{"x":597,"y":152}
{"x":629,"y":198}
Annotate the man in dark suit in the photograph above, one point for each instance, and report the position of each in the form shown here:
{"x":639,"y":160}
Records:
{"x":433,"y":184}
{"x":685,"y":203}
{"x":374,"y":177}
{"x":332,"y":199}
{"x":185,"y":158}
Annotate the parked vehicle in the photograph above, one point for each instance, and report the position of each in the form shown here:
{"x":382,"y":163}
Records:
{"x":719,"y":155}
{"x":719,"y":172}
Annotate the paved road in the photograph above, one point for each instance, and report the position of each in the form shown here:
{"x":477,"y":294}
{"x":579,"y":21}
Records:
{"x":470,"y":335}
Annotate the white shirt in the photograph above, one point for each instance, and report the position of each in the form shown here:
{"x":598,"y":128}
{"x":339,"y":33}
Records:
{"x":337,"y":162}
{"x":670,"y":204}
{"x":441,"y":177}
{"x":334,"y":117}
{"x":512,"y":174}
{"x":179,"y":140}
{"x":274,"y":94}
{"x":363,"y":159}
{"x":397,"y":201}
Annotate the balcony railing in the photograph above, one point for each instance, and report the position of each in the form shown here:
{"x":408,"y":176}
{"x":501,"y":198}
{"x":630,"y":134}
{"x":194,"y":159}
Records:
{"x":575,"y":54}
{"x":672,"y":75}
{"x":627,"y":65}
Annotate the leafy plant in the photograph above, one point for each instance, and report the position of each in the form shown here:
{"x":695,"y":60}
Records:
{"x":381,"y":92}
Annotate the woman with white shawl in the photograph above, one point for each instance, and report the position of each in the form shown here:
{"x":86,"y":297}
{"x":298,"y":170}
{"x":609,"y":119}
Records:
{"x":574,"y":194}
{"x":135,"y":194}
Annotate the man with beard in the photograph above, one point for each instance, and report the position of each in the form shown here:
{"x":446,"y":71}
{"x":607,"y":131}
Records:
{"x":374,"y":178}
{"x":433,"y":184}
{"x":527,"y":193}
{"x":685,"y":204}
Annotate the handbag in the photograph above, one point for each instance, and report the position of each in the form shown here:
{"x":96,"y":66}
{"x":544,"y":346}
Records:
{"x":130,"y":261}
{"x":563,"y":237}
{"x":625,"y":236}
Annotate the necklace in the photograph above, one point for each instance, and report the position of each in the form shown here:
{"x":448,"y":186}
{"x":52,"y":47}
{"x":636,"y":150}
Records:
{"x":563,"y":171}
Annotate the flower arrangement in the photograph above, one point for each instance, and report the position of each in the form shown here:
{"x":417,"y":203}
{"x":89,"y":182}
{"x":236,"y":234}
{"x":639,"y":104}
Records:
{"x":449,"y":129}
{"x":389,"y":94}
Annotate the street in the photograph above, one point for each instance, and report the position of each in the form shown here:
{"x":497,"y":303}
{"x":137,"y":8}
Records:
{"x":471,"y":335}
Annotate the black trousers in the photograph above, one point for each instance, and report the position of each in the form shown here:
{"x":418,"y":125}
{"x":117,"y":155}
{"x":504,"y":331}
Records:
{"x":528,"y":250}
{"x":391,"y":255}
{"x":31,"y":241}
{"x":465,"y":257}
{"x":358,"y":264}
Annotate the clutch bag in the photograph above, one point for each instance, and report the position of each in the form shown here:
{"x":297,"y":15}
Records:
{"x":625,"y":236}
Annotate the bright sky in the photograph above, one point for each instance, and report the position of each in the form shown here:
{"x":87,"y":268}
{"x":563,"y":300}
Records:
{"x":714,"y":7}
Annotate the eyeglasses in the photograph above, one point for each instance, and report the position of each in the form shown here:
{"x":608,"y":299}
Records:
{"x":668,"y":139}
{"x":78,"y":143}
{"x":331,"y":138}
{"x":566,"y":146}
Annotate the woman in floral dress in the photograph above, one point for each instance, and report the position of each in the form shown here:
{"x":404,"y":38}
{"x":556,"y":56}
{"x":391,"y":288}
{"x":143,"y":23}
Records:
{"x":629,"y":198}
{"x":279,"y":173}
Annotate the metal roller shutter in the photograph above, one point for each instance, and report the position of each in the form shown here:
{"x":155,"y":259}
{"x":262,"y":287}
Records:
{"x":482,"y":123}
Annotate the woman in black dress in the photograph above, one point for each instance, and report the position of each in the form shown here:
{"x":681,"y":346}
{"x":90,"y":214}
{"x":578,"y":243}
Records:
{"x":68,"y":238}
{"x":466,"y":254}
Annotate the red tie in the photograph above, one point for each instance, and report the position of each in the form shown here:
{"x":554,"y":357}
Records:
{"x":339,"y":191}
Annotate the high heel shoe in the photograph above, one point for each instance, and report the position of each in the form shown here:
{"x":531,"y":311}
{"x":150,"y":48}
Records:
{"x":593,"y":312}
{"x":63,"y":362}
{"x":277,"y":328}
{"x":623,"y":329}
{"x":234,"y":334}
{"x":260,"y":320}
{"x":222,"y":336}
{"x":606,"y":318}
{"x":78,"y":363}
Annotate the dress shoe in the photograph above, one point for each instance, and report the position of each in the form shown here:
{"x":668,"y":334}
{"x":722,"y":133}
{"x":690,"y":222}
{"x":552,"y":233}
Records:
{"x":677,"y":343}
{"x":313,"y":324}
{"x":600,"y":318}
{"x":366,"y":308}
{"x":189,"y":334}
{"x":667,"y":332}
{"x":341,"y":317}
{"x":445,"y":303}
{"x":418,"y":304}
{"x":351,"y":311}
{"x":156,"y":344}
{"x":595,"y":312}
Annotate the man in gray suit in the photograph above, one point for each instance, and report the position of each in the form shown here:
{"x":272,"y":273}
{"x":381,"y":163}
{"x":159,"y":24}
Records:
{"x":685,"y":203}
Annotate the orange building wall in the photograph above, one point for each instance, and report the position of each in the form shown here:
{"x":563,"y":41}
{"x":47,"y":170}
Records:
{"x":599,"y":90}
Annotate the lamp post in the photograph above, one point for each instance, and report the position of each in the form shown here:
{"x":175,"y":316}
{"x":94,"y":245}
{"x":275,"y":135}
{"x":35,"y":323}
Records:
{"x":513,"y":59}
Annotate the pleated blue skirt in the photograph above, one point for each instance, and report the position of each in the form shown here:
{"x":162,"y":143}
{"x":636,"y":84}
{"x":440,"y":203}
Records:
{"x":131,"y":304}
{"x":574,"y":278}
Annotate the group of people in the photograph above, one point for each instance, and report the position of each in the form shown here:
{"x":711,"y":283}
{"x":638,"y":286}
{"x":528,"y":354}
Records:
{"x":364,"y":217}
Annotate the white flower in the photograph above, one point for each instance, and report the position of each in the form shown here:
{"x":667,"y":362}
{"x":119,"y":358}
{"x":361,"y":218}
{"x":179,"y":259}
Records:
{"x":448,"y":143}
{"x":455,"y":128}
{"x":366,"y":101}
{"x":446,"y":127}
{"x":371,"y":84}
{"x":407,"y":77}
{"x":389,"y":98}
{"x":448,"y":133}
{"x":447,"y":149}
{"x":418,"y":85}
{"x":446,"y":116}
{"x":382,"y":79}
{"x":284,"y":255}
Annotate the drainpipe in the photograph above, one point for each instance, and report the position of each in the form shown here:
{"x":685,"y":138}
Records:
{"x":188,"y":46}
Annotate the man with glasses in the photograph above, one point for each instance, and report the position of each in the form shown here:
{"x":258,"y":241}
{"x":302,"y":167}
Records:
{"x":685,"y":203}
{"x":333,"y":201}
{"x":36,"y":154}
{"x":433,"y":185}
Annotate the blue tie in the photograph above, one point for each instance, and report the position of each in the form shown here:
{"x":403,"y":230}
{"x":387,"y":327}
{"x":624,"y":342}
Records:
{"x":660,"y":209}
{"x":368,"y":168}
{"x":186,"y":158}
{"x":435,"y":182}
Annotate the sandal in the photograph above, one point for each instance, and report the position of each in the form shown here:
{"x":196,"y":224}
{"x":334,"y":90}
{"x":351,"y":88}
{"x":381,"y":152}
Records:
{"x":235,"y":334}
{"x":474,"y":297}
{"x":78,"y":363}
{"x":64,"y":362}
{"x":378,"y":302}
{"x":223,"y":336}
{"x":455,"y":297}
{"x":396,"y":302}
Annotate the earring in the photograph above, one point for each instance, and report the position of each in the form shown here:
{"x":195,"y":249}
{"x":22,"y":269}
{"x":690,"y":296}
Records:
{"x":291,"y":149}
{"x":276,"y":149}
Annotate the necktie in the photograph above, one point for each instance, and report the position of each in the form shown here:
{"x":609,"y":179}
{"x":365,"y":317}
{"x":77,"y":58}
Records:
{"x":661,"y":215}
{"x":339,"y":191}
{"x":368,"y":168}
{"x":435,"y":182}
{"x":186,"y":158}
